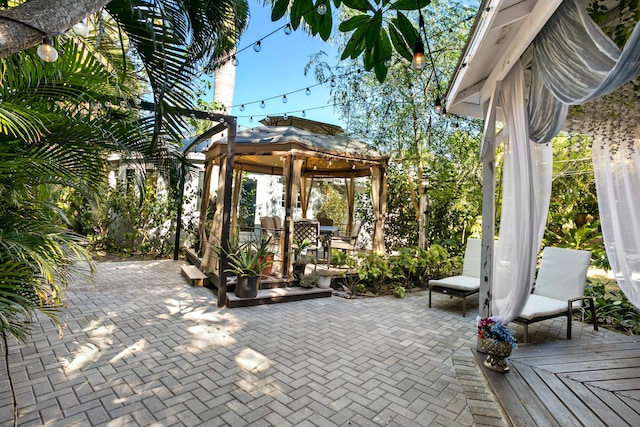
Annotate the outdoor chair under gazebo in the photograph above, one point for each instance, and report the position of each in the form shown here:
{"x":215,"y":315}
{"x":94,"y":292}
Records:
{"x":300,"y":151}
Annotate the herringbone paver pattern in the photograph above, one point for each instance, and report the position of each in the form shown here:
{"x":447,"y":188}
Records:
{"x":142,"y":347}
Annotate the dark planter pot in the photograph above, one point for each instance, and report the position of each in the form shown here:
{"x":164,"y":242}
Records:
{"x":247,"y":286}
{"x":298,"y":270}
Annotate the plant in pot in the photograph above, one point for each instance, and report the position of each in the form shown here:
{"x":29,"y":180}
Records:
{"x":300,"y":257}
{"x":324,"y":278}
{"x":247,"y":261}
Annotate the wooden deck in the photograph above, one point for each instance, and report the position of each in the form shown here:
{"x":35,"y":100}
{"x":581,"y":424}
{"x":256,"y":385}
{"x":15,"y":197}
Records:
{"x":590,"y":382}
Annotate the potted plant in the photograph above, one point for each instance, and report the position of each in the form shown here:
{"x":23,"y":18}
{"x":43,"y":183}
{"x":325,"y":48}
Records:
{"x":247,"y":261}
{"x":300,"y":257}
{"x":497,"y":341}
{"x":324,"y":278}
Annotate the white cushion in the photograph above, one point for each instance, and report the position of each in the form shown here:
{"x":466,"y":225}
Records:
{"x":539,"y":306}
{"x":472,"y":258}
{"x":463,"y":283}
{"x":562,"y":273}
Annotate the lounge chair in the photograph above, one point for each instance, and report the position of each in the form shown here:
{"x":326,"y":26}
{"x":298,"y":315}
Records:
{"x":466,"y":284}
{"x":559,"y":289}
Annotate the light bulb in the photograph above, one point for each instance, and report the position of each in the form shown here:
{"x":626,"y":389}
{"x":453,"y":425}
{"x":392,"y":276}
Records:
{"x":322,"y":9}
{"x":333,"y":82}
{"x":258,"y":46}
{"x":261,"y":104}
{"x":287,"y":29}
{"x":267,"y":119}
{"x":221,"y":120}
{"x":307,"y":92}
{"x":418,"y":62}
{"x":284,"y":99}
{"x":251,"y":119}
{"x":304,"y":113}
{"x":315,"y":167}
{"x":438,"y":105}
{"x":242,"y":107}
{"x":46,"y":51}
{"x":234,"y":60}
{"x":444,"y":112}
{"x":80,"y":29}
{"x":285,"y":117}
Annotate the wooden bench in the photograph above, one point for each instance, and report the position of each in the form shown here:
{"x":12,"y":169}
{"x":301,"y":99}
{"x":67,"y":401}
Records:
{"x":193,"y":275}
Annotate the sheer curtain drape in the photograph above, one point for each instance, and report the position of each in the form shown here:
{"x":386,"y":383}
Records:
{"x":618,"y":186}
{"x":574,"y":62}
{"x":525,"y":203}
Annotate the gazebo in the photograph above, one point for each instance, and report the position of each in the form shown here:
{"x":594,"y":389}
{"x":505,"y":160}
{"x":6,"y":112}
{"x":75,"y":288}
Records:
{"x":300,"y":151}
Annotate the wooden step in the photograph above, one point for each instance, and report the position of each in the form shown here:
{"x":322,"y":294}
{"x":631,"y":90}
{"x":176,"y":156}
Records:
{"x":275,"y":295}
{"x":193,"y":275}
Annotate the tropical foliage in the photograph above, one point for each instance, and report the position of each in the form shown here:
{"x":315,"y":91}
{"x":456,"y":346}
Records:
{"x":375,"y":29}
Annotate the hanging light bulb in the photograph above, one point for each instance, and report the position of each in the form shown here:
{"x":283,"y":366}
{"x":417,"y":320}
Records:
{"x":80,"y":29}
{"x":444,"y":112}
{"x":267,"y":119}
{"x":322,"y":9}
{"x":307,"y":92}
{"x":261,"y":104}
{"x":438,"y":105}
{"x":46,"y":51}
{"x":251,"y":119}
{"x":330,"y":162}
{"x":258,"y":46}
{"x":287,"y":29}
{"x":234,"y":60}
{"x":315,"y":167}
{"x":418,"y":62}
{"x":353,"y":166}
{"x":242,"y":107}
{"x":333,"y":82}
{"x":304,"y":113}
{"x":284,"y":99}
{"x":285,"y":117}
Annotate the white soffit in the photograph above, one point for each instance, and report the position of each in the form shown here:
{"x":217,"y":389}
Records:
{"x":502,"y":31}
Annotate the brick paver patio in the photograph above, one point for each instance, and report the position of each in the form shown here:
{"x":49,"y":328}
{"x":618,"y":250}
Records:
{"x":143,"y":347}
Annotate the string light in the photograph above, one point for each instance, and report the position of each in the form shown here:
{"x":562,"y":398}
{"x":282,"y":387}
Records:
{"x":242,"y":107}
{"x":267,"y":119}
{"x":333,"y":83}
{"x":418,"y":62}
{"x":304,"y":113}
{"x":287,"y":29}
{"x":46,"y":51}
{"x":262,"y":104}
{"x":322,"y":9}
{"x":234,"y":61}
{"x":284,"y":99}
{"x":285,"y":116}
{"x":307,"y":92}
{"x":80,"y":29}
{"x":438,"y":104}
{"x":257,"y":46}
{"x":251,"y":119}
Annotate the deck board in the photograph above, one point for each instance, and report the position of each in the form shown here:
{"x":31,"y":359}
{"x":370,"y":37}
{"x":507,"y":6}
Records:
{"x":573,"y":382}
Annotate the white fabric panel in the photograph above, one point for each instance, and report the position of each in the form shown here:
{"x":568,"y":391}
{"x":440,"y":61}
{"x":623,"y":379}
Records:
{"x":618,"y":187}
{"x":525,"y":201}
{"x":562,"y":273}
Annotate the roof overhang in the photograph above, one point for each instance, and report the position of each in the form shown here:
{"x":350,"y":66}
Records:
{"x":501,"y":33}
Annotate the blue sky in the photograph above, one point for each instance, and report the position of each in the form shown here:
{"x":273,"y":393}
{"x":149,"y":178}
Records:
{"x":279,"y":69}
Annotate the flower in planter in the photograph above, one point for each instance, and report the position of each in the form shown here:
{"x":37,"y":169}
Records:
{"x":494,"y":329}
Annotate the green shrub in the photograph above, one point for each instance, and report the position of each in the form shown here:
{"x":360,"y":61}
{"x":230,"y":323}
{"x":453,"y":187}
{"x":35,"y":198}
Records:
{"x":613,"y":309}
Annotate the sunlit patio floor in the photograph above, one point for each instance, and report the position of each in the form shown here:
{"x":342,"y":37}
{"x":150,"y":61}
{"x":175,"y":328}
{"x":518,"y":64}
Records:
{"x":143,"y":347}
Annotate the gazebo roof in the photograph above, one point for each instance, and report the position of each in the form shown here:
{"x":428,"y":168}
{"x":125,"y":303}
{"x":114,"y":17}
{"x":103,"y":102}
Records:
{"x":263,"y":149}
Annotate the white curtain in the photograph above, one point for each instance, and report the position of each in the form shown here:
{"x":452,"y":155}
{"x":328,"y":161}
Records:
{"x":617,"y":171}
{"x":574,"y":62}
{"x":525,"y":203}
